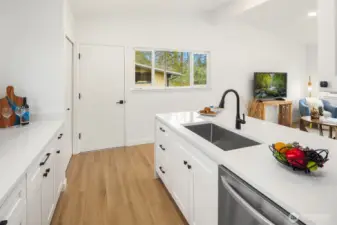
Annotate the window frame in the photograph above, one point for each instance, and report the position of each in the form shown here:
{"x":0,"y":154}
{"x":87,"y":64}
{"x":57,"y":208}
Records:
{"x":165,"y":87}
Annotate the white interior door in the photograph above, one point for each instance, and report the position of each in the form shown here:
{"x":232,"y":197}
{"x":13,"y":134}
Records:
{"x":68,"y":136}
{"x":102,"y":88}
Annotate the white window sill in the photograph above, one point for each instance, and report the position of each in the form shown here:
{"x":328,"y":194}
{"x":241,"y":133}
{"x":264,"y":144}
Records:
{"x":136,"y":89}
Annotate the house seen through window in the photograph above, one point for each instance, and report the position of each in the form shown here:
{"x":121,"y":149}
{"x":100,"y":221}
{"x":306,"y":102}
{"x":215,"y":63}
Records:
{"x":170,"y":69}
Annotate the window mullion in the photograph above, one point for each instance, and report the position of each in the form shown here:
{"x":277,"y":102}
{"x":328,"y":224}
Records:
{"x":165,"y":69}
{"x":153,"y":69}
{"x":191,"y":69}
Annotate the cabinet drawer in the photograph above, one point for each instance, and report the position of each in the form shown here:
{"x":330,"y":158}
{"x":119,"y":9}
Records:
{"x":162,"y":132}
{"x":162,"y":172}
{"x":14,"y":209}
{"x":34,"y":173}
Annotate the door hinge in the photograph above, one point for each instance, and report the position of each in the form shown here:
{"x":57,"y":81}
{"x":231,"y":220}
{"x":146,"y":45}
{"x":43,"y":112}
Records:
{"x":80,"y":136}
{"x":79,"y":55}
{"x":79,"y":96}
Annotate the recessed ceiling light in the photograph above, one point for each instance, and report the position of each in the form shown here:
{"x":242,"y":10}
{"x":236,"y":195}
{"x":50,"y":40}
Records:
{"x":312,"y":14}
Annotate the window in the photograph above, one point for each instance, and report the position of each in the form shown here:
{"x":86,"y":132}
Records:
{"x":143,"y":68}
{"x":165,"y":69}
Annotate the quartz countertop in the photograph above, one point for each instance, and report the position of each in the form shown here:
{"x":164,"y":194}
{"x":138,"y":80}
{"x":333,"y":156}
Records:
{"x":312,"y":196}
{"x":19,"y":147}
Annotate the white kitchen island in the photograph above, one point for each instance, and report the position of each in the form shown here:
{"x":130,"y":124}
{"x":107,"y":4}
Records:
{"x":311,"y":196}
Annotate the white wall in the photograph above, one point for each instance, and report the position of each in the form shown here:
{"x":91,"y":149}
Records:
{"x":312,"y":68}
{"x":327,"y":42}
{"x":32,"y":52}
{"x":236,"y":52}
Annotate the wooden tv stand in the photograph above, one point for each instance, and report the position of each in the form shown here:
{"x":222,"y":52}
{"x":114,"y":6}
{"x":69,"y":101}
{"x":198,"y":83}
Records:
{"x":285,"y":110}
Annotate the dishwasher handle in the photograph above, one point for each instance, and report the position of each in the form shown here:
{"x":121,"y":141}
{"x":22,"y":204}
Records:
{"x":261,"y":218}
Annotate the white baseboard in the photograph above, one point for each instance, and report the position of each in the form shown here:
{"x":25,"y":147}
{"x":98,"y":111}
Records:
{"x":139,"y":142}
{"x":64,"y":185}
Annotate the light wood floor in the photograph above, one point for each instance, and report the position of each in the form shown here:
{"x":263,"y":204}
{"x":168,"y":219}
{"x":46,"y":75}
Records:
{"x":115,"y":187}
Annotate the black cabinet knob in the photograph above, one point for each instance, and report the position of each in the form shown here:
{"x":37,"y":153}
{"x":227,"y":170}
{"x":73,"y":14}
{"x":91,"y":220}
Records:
{"x":121,"y":102}
{"x":161,"y":169}
{"x":4,"y":222}
{"x":185,"y":162}
{"x":48,"y":170}
{"x":58,"y":151}
{"x":162,"y":129}
{"x":45,"y":175}
{"x":189,"y":167}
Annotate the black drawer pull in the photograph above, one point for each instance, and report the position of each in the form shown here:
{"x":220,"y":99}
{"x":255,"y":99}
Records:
{"x":162,"y":129}
{"x":161,"y":169}
{"x":4,"y":222}
{"x":162,"y":148}
{"x":60,"y":136}
{"x":189,"y":167}
{"x":185,"y":162}
{"x":46,"y":173}
{"x":44,"y":162}
{"x":58,"y":151}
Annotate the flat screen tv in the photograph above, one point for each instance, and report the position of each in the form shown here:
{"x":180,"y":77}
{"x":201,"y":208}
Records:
{"x":270,"y":85}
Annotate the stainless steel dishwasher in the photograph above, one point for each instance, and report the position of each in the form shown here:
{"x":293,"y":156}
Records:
{"x":241,"y":204}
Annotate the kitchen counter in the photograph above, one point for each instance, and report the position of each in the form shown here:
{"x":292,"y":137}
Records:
{"x":19,"y":147}
{"x":312,"y":196}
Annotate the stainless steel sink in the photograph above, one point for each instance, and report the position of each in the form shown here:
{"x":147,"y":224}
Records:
{"x":224,"y":139}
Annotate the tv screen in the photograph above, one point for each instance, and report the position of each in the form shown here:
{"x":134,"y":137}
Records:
{"x":270,"y":85}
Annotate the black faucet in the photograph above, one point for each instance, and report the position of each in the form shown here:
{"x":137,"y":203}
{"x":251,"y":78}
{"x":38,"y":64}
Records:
{"x":238,"y":120}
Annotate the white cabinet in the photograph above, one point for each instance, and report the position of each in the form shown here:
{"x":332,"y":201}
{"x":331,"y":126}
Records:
{"x":13,"y":211}
{"x":182,"y":179}
{"x":34,"y":197}
{"x":190,"y":177}
{"x":61,"y":162}
{"x":32,"y":201}
{"x":205,"y":191}
{"x":47,"y":191}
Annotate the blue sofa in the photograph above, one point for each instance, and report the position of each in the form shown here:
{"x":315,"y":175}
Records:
{"x":305,"y":111}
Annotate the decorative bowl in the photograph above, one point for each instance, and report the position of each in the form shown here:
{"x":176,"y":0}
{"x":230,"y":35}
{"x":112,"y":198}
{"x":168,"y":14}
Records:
{"x":295,"y":156}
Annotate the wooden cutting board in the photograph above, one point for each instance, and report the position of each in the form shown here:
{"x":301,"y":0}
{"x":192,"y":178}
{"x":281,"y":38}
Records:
{"x":14,"y":119}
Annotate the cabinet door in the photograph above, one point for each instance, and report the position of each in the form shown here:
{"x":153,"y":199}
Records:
{"x":205,"y":191}
{"x":182,"y":179}
{"x":48,"y":191}
{"x":59,"y":172}
{"x":13,"y":211}
{"x":65,"y":145}
{"x":34,"y":207}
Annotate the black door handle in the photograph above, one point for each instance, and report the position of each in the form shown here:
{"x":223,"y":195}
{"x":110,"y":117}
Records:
{"x":4,"y":222}
{"x":121,"y":102}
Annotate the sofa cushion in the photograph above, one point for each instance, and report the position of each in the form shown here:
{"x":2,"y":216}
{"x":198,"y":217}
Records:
{"x":314,"y":103}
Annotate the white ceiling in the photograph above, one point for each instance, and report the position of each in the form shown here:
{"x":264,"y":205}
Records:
{"x":286,"y":18}
{"x":82,"y":8}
